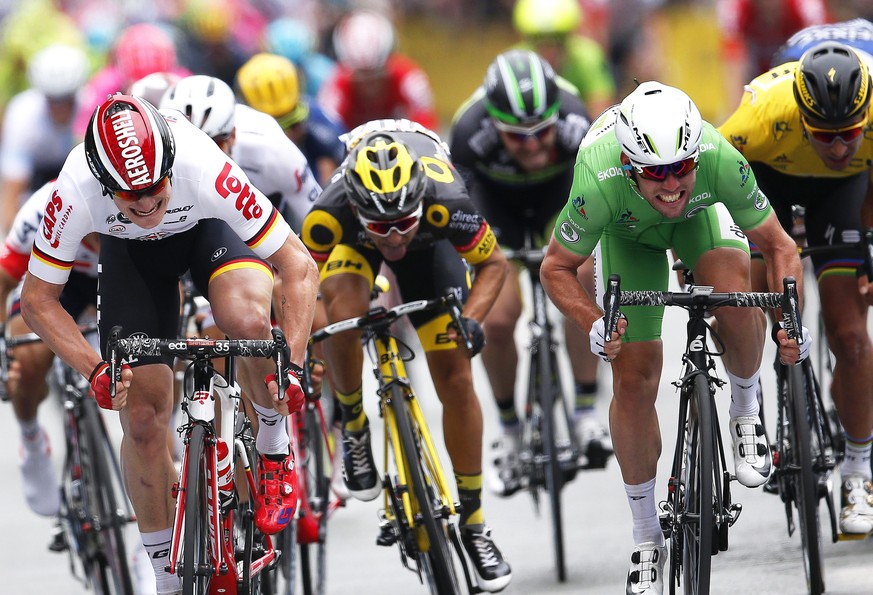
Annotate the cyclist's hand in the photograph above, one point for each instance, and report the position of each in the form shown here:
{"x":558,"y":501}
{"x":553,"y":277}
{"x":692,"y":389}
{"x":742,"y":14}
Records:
{"x":13,"y":379}
{"x":100,"y":383}
{"x":790,"y":353}
{"x":473,"y":330}
{"x":294,"y":397}
{"x":606,"y":350}
{"x":316,"y":378}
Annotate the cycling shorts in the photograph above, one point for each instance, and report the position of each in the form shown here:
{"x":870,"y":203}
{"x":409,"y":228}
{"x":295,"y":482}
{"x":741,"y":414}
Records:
{"x":421,"y":275}
{"x":138,"y":282}
{"x":79,"y":293}
{"x":833,"y":213}
{"x":643,"y":265}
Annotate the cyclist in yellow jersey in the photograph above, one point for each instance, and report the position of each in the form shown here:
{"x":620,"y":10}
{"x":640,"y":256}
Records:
{"x":806,"y":129}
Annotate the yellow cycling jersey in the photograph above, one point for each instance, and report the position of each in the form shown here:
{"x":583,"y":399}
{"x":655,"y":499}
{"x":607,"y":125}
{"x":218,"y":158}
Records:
{"x":766,"y":128}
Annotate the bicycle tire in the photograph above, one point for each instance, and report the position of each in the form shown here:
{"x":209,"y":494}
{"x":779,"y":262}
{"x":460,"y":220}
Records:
{"x":802,"y":398}
{"x":195,"y":554}
{"x":112,"y":556}
{"x":313,"y":554}
{"x":553,"y":474}
{"x":436,"y":562}
{"x":698,"y":513}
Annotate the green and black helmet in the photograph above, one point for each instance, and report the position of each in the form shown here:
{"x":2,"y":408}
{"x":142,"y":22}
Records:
{"x":520,"y":88}
{"x":832,"y":83}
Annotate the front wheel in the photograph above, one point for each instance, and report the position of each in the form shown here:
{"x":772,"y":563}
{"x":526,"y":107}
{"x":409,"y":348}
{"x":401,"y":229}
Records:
{"x":801,"y":397}
{"x":195,"y":553}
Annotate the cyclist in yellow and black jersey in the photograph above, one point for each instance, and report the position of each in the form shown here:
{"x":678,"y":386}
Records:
{"x":396,"y":199}
{"x":807,"y":131}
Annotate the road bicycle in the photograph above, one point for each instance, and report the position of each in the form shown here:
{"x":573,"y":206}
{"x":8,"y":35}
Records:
{"x":699,"y":510}
{"x":418,"y":503}
{"x":215,"y":547}
{"x":94,"y":506}
{"x":304,"y":542}
{"x":549,"y":451}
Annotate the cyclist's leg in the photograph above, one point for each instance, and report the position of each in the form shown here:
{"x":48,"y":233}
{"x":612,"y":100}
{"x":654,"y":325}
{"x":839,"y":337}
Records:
{"x":346,"y":282}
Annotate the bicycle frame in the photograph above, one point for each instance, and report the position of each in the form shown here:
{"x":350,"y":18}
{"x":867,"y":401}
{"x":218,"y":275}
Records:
{"x":698,"y":511}
{"x":417,"y":501}
{"x":222,"y":572}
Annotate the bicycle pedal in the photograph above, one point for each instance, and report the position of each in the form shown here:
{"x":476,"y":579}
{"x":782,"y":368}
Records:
{"x":387,"y":535}
{"x":853,"y":536}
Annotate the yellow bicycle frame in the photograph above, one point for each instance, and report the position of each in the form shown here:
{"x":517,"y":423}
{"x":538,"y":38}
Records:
{"x":392,"y":369}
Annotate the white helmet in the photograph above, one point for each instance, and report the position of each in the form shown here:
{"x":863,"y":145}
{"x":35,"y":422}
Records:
{"x":363,"y":40}
{"x":152,"y":86}
{"x":205,"y":100}
{"x":658,"y":125}
{"x":58,"y":70}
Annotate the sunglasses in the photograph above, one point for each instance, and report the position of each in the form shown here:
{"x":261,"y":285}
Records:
{"x":658,"y":173}
{"x":135,"y":195}
{"x":520,"y":134}
{"x":829,"y":136}
{"x":382,"y":228}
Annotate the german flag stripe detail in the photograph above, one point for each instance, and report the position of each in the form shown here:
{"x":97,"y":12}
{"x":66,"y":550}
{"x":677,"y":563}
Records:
{"x":265,"y":230}
{"x":64,"y":265}
{"x":242,"y":263}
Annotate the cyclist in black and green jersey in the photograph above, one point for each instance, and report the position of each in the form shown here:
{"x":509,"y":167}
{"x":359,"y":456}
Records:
{"x":651,"y":176}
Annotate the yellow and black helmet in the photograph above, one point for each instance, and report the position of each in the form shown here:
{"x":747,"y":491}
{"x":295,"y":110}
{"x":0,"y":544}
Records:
{"x":269,"y":83}
{"x":384,"y":177}
{"x":832,"y":83}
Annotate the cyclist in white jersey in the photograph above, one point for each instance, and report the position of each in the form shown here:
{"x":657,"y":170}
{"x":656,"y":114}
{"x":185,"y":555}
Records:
{"x":37,"y":125}
{"x":30,"y":364}
{"x":253,"y":139}
{"x":165,"y":201}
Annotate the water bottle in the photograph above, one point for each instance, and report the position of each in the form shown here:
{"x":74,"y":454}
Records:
{"x":225,"y":470}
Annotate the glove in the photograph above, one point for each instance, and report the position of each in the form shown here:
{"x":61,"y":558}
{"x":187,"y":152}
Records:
{"x":596,"y":338}
{"x":294,"y":395}
{"x":804,"y":347}
{"x":100,"y":383}
{"x":475,"y":333}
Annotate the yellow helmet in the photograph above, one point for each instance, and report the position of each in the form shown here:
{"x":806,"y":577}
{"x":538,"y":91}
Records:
{"x":269,"y":84}
{"x":546,"y":17}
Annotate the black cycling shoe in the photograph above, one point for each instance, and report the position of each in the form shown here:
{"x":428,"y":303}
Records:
{"x":492,"y":571}
{"x":359,"y":467}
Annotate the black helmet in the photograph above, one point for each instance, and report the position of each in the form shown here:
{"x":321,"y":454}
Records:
{"x":384,"y":177}
{"x":832,"y":83}
{"x":520,"y":88}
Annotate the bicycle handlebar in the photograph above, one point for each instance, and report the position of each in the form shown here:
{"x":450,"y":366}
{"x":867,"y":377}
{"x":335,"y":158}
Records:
{"x":275,"y":348}
{"x":704,"y":296}
{"x":527,"y":256}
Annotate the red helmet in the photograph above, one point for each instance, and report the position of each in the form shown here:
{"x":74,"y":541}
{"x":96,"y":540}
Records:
{"x":143,"y":49}
{"x":128,"y":144}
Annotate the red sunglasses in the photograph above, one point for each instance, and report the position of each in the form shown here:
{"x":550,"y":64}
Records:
{"x":658,"y":173}
{"x":135,"y":195}
{"x":829,"y":136}
{"x":382,"y":228}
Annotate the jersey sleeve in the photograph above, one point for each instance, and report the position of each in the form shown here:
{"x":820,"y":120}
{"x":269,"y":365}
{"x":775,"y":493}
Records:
{"x":736,"y":187}
{"x":587,"y":213}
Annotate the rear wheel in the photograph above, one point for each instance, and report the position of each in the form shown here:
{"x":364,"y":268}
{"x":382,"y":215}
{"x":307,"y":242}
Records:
{"x":312,"y":529}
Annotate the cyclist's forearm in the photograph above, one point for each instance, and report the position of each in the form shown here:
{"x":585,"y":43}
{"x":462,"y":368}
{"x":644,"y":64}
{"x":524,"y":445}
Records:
{"x":43,"y":313}
{"x":299,"y":290}
{"x":490,"y":276}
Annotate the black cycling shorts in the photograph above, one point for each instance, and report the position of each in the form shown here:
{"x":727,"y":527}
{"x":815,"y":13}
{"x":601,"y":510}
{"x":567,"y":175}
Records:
{"x":139,"y":280}
{"x":833,"y":211}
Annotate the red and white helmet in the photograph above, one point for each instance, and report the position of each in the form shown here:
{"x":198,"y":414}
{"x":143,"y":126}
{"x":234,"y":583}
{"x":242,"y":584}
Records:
{"x":128,"y":144}
{"x":363,"y":40}
{"x":143,"y":49}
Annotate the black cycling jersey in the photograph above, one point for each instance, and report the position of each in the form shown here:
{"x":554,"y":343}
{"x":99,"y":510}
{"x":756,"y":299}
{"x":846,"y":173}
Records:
{"x":510,"y":198}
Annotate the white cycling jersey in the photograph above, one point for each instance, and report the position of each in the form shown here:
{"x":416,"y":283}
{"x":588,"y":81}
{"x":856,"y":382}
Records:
{"x":274,"y":164}
{"x":19,"y":242}
{"x":206,"y":184}
{"x":31,"y":140}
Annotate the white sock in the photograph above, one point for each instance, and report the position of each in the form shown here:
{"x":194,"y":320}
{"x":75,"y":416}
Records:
{"x":272,"y":438}
{"x":30,"y":431}
{"x":157,"y":546}
{"x":744,"y":395}
{"x":857,"y":460}
{"x":647,"y":526}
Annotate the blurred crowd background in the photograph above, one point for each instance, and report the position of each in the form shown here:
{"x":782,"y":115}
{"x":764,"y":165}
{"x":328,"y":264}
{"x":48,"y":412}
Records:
{"x":709,"y":48}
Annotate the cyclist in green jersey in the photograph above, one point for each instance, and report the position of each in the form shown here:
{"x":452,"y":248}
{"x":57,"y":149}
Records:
{"x":651,"y":176}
